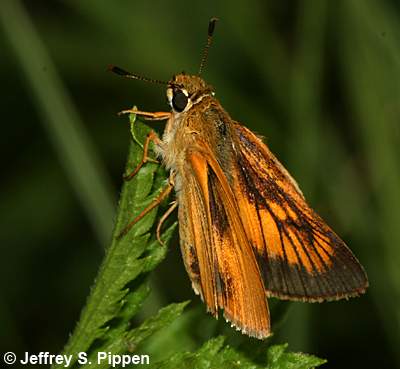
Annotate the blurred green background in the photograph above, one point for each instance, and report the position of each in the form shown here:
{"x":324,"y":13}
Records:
{"x":320,"y":81}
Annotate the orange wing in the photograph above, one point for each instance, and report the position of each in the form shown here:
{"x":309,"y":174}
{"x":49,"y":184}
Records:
{"x":299,"y":255}
{"x":217,"y":255}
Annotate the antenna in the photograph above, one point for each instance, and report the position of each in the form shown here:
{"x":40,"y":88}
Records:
{"x":124,"y":73}
{"x":211,"y":27}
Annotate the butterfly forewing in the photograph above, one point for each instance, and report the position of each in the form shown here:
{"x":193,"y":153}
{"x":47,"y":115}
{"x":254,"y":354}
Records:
{"x":300,"y":257}
{"x":218,"y":257}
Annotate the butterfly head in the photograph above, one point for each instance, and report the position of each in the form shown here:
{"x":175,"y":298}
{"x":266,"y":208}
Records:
{"x":186,"y":90}
{"x":183,"y":90}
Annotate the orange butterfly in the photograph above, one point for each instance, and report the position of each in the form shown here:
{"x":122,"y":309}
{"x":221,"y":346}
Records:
{"x":246,"y":231}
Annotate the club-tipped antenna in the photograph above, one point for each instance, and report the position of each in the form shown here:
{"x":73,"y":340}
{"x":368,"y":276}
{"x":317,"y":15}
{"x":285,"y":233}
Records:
{"x":211,"y":28}
{"x":124,"y":73}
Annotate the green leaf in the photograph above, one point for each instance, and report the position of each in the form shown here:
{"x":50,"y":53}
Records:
{"x":120,"y":289}
{"x":129,"y":341}
{"x":214,"y":354}
{"x":277,"y":358}
{"x":165,"y":316}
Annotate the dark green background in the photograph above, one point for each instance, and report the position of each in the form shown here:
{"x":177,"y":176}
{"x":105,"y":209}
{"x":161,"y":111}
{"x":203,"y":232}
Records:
{"x":321,"y":81}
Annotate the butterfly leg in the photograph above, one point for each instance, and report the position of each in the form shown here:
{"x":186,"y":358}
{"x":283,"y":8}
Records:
{"x":173,"y":206}
{"x":157,"y":201}
{"x":158,"y":115}
{"x":152,"y":136}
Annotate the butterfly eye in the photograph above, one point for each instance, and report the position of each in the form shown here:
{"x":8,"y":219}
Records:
{"x":179,"y":100}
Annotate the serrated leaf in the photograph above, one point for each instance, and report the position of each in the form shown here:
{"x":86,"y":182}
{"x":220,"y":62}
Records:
{"x":129,"y":341}
{"x":164,"y":317}
{"x":279,"y":359}
{"x":214,"y":354}
{"x":118,"y":293}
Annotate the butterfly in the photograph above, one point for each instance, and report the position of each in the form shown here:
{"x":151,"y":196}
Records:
{"x":246,"y":230}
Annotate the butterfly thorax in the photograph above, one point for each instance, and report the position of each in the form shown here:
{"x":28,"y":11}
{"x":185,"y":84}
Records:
{"x":197,"y":120}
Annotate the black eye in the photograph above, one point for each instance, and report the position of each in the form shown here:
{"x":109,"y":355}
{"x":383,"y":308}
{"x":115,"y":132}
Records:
{"x":179,"y":101}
